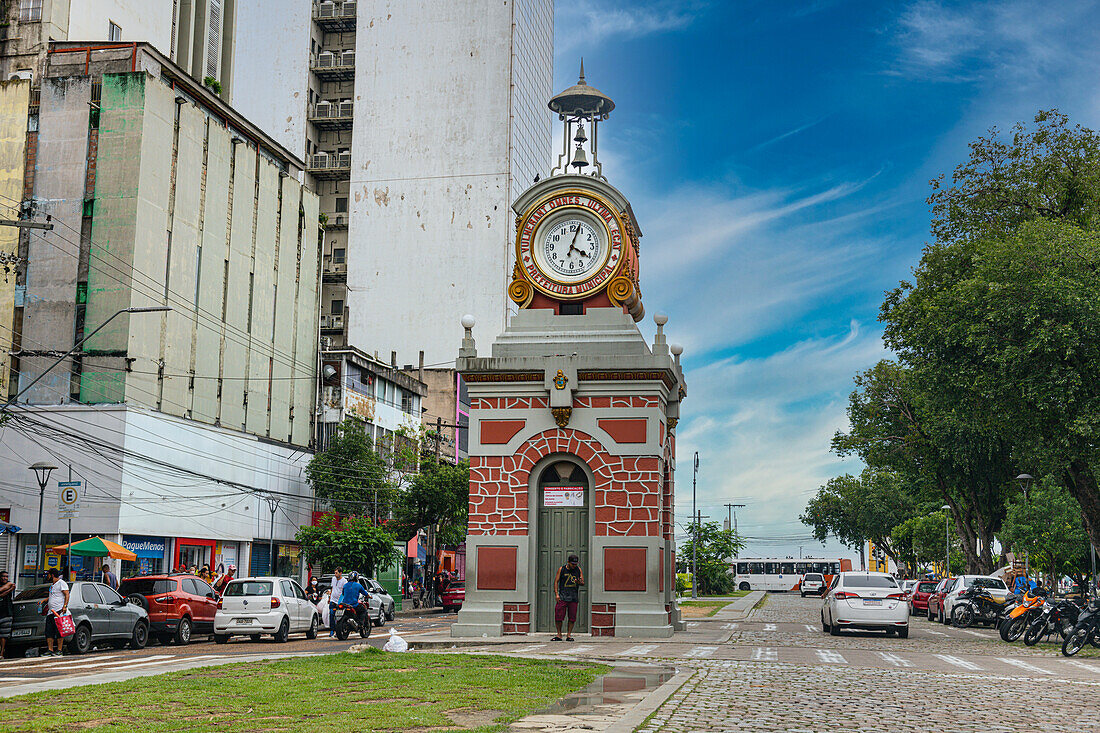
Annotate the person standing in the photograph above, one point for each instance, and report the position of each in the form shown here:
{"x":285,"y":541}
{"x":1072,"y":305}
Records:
{"x":336,"y":591}
{"x":109,"y":578}
{"x":7,"y":590}
{"x":56,"y":605}
{"x":567,"y":585}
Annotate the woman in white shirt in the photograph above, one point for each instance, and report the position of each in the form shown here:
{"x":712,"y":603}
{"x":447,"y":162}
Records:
{"x":57,"y":605}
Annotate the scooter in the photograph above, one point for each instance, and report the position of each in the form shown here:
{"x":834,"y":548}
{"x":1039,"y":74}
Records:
{"x":1086,"y":631}
{"x":1060,"y":616}
{"x":1019,"y":617}
{"x":349,"y":620}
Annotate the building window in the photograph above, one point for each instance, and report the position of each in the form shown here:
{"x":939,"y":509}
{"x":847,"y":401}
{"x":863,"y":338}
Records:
{"x":30,"y":10}
{"x":338,"y":255}
{"x":342,"y":205}
{"x":114,"y":31}
{"x":337,"y":307}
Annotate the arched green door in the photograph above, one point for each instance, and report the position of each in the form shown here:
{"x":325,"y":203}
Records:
{"x":562,"y":531}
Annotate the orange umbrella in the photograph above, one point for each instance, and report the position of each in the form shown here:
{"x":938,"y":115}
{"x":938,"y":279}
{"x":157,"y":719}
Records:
{"x":94,"y":547}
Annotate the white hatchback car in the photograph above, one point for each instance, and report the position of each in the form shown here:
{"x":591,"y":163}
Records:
{"x":865,"y":600}
{"x":255,"y":606}
{"x":812,"y":583}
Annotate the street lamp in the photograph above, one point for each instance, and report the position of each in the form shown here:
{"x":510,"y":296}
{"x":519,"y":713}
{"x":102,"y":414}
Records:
{"x":1025,"y":479}
{"x":947,"y":544}
{"x":695,"y":536}
{"x":42,"y":471}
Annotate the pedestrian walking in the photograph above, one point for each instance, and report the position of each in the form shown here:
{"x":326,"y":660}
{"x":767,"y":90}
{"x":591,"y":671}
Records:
{"x":336,"y":590}
{"x":7,"y":590}
{"x":57,"y":604}
{"x":313,"y":591}
{"x":223,"y":580}
{"x":109,"y":578}
{"x":567,"y":585}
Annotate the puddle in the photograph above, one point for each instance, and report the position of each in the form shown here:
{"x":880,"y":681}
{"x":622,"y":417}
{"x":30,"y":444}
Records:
{"x":619,"y":686}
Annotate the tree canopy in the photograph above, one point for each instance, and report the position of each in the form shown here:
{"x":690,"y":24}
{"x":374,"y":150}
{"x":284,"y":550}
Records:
{"x":714,"y":548}
{"x":354,"y":543}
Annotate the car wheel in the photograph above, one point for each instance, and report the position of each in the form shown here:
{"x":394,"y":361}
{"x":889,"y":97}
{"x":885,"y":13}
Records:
{"x":744,"y":586}
{"x":140,"y":636}
{"x":221,"y":638}
{"x":183,"y":632}
{"x":834,"y":630}
{"x":82,"y":640}
{"x":311,"y":632}
{"x":889,"y":632}
{"x":903,"y":632}
{"x":284,"y":631}
{"x":392,"y":613}
{"x":254,"y":637}
{"x":381,"y":620}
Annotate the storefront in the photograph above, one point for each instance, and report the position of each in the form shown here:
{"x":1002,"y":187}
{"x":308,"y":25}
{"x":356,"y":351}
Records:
{"x":151,"y":555}
{"x":226,"y":554}
{"x":193,"y":553}
{"x":286,"y":559}
{"x":83,"y":568}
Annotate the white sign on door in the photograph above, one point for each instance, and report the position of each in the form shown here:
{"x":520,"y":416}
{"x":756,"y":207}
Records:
{"x":563,"y":496}
{"x":68,"y":499}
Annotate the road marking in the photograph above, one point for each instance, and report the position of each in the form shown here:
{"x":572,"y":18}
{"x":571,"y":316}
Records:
{"x":729,"y":627}
{"x":637,"y":651}
{"x":44,"y":660}
{"x":830,"y":656}
{"x":895,"y":660}
{"x":810,"y":628}
{"x":957,"y":662}
{"x":937,"y":633}
{"x":1082,"y":665}
{"x":92,"y":663}
{"x":1024,"y":665}
{"x":693,"y":625}
{"x":701,"y":651}
{"x":764,"y":655}
{"x":973,"y":633}
{"x":17,"y":679}
{"x":575,"y":649}
{"x":769,"y":627}
{"x":531,"y":648}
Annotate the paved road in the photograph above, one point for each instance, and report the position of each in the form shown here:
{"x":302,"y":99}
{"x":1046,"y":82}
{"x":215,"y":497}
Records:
{"x":155,"y":657}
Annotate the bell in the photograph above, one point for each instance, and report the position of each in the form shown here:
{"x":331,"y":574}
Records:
{"x":579,"y":159}
{"x":580,"y":137}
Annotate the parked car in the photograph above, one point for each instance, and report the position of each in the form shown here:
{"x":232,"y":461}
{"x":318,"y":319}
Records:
{"x":178,"y":604}
{"x":101,"y":616}
{"x":996,"y":587}
{"x":865,"y":600}
{"x":934,"y":608}
{"x":265,"y":605}
{"x":453,"y":597}
{"x":385,"y":602}
{"x":918,"y":598}
{"x":812,"y":583}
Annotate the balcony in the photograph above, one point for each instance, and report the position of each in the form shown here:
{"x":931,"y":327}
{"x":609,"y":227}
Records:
{"x":333,"y":272}
{"x":330,"y":166}
{"x":336,"y":222}
{"x":335,"y":17}
{"x":334,"y":66}
{"x":332,"y":323}
{"x":328,"y":115}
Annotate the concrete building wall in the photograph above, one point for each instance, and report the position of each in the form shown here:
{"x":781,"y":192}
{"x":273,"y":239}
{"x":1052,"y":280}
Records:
{"x":14,"y":96}
{"x":305,"y":323}
{"x":140,"y":20}
{"x":271,"y":69}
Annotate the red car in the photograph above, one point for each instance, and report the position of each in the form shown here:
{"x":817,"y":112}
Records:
{"x":934,"y":606}
{"x":178,"y":604}
{"x":918,"y":599}
{"x":453,"y":597}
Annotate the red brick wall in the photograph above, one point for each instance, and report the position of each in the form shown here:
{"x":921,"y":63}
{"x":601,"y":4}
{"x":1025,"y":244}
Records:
{"x":627,"y":494}
{"x":517,"y":618}
{"x":603,"y":619}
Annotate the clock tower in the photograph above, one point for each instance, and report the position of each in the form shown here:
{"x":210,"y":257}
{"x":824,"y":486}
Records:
{"x":573,"y":414}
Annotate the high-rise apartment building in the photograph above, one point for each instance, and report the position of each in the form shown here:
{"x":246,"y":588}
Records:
{"x":197,"y":35}
{"x":420,"y":121}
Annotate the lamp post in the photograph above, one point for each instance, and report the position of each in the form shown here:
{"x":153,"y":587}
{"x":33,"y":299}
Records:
{"x":947,"y":537}
{"x":695,"y":534}
{"x":1025,"y":479}
{"x":42,"y":471}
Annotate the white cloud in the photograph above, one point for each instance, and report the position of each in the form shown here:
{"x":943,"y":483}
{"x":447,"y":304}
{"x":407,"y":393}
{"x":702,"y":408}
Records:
{"x":590,"y":24}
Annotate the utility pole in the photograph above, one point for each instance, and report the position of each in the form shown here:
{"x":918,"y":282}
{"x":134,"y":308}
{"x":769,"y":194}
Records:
{"x":695,"y":534}
{"x":273,"y":504}
{"x":69,"y":548}
{"x":732,"y":515}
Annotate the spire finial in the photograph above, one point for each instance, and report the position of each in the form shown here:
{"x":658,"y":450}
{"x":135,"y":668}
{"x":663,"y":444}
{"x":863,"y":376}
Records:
{"x":581,"y":79}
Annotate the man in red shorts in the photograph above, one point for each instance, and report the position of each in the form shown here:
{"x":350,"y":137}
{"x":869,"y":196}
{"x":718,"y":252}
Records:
{"x":567,"y":585}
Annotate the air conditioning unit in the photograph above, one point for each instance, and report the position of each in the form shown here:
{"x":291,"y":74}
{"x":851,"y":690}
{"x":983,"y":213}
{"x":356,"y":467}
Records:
{"x":323,"y":109}
{"x":326,"y":343}
{"x":326,"y":10}
{"x":336,"y":321}
{"x":347,"y":58}
{"x":327,"y":59}
{"x":349,"y":9}
{"x":343,"y":160}
{"x":320,"y":160}
{"x":345,"y":108}
{"x":340,"y":220}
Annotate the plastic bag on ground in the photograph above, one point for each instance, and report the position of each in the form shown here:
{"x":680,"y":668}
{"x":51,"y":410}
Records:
{"x":396,"y":643}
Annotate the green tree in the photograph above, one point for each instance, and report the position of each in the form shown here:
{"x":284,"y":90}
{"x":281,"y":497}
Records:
{"x":354,"y":543}
{"x":856,"y":509}
{"x":439,"y":497}
{"x":1047,"y":525}
{"x":920,"y":539}
{"x":715,"y":548}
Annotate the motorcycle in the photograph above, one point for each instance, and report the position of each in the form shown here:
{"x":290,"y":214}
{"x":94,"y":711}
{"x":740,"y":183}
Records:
{"x":1060,"y":616}
{"x":1086,"y":630}
{"x":977,"y":604}
{"x":1019,"y":617}
{"x":349,"y":619}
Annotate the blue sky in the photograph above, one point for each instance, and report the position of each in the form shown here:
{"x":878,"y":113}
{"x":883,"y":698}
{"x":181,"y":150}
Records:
{"x":777,"y":155}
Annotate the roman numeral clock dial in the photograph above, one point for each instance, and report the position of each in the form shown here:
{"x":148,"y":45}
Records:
{"x":572,"y":247}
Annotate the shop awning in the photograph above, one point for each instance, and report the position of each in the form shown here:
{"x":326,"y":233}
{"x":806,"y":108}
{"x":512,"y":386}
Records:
{"x":8,"y":527}
{"x":94,"y":547}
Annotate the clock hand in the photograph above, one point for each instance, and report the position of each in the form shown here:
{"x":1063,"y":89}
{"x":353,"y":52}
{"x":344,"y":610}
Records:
{"x":575,"y":237}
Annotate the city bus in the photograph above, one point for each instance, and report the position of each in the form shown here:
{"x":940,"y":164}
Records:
{"x":772,"y":573}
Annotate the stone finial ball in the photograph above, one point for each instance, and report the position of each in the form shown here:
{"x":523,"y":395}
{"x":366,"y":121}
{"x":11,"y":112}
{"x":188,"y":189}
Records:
{"x":676,"y":349}
{"x":468,"y":321}
{"x":660,"y":318}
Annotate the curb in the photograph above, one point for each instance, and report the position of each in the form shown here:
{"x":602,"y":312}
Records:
{"x":650,"y":703}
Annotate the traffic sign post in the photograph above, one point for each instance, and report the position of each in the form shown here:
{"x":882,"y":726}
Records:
{"x":68,"y":507}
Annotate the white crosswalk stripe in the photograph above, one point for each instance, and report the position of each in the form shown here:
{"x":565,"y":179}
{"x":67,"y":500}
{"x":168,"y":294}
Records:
{"x":93,"y":663}
{"x":810,"y":628}
{"x":1082,"y":665}
{"x":637,"y":651}
{"x":701,"y":651}
{"x":957,"y":661}
{"x":575,"y":649}
{"x":531,"y":648}
{"x":895,"y":660}
{"x":769,"y":627}
{"x":972,"y":633}
{"x":830,"y":656}
{"x":937,"y":633}
{"x":50,"y":661}
{"x":763,"y":654}
{"x":729,"y":627}
{"x":15,"y":679}
{"x":1024,"y":665}
{"x":693,"y":625}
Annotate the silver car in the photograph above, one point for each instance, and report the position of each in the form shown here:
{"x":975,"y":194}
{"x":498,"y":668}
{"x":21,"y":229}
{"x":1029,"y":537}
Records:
{"x":385,"y":610}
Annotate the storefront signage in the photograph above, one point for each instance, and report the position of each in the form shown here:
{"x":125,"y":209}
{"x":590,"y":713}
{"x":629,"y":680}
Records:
{"x":144,"y":546}
{"x":563,"y":496}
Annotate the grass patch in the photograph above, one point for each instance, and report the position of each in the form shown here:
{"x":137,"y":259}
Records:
{"x":701,"y":609}
{"x":762,"y":602}
{"x":346,"y":692}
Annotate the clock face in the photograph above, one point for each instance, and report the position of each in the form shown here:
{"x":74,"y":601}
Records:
{"x":572,"y":247}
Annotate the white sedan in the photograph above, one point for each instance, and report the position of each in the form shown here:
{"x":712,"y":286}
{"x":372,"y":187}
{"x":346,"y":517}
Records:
{"x":865,"y":600}
{"x":254,"y":606}
{"x":996,"y":586}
